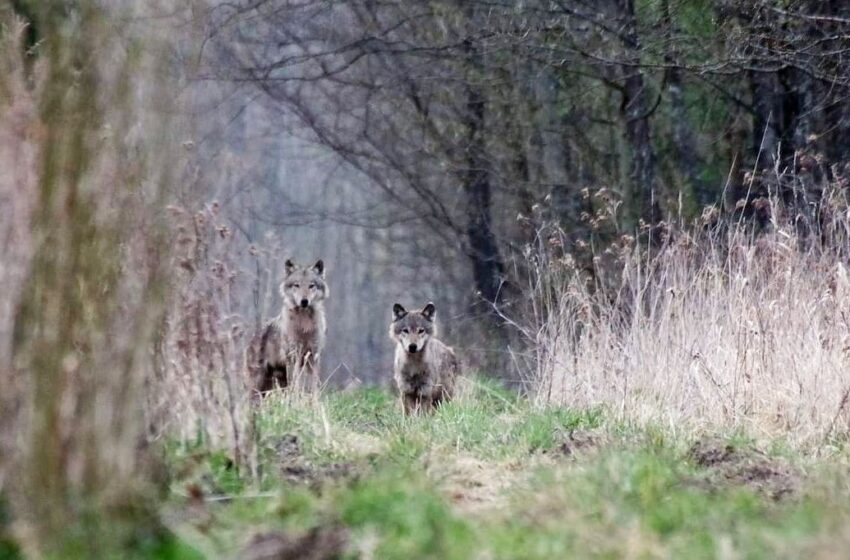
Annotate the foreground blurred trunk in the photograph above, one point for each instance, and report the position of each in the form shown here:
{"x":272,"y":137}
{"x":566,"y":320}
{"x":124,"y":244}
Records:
{"x":84,"y":316}
{"x":17,"y":195}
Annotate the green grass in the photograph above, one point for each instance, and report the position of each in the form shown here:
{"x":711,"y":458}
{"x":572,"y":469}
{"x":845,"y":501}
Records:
{"x":487,"y":476}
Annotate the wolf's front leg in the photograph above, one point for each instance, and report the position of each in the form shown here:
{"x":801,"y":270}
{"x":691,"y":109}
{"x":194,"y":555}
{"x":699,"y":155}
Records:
{"x":313,"y":375}
{"x":309,"y":374}
{"x":409,"y":404}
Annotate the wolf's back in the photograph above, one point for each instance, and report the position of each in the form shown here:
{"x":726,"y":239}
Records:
{"x":447,"y":366}
{"x":263,"y":351}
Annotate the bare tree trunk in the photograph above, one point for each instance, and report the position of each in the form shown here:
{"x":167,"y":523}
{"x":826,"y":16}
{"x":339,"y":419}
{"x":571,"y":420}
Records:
{"x":635,"y":111}
{"x":837,"y":114}
{"x":763,"y":86}
{"x":487,"y":266}
{"x":684,"y":141}
{"x":488,"y":269}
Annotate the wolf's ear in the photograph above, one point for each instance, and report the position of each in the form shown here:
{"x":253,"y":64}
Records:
{"x":319,"y":267}
{"x":428,"y":311}
{"x":398,"y":312}
{"x":289,"y":267}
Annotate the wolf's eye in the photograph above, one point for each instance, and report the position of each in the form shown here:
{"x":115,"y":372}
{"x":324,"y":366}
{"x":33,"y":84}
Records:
{"x":420,"y":331}
{"x":312,"y":286}
{"x":405,"y":331}
{"x":296,"y":286}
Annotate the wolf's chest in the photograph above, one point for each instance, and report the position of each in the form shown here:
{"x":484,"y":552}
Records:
{"x":303,"y":329}
{"x":414,"y":375}
{"x":302,"y":326}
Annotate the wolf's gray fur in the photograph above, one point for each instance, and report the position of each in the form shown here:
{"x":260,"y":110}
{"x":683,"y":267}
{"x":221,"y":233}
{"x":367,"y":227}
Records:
{"x":425,"y":368}
{"x":291,"y":344}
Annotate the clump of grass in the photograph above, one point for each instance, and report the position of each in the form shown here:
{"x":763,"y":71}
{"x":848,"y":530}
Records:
{"x":406,"y":517}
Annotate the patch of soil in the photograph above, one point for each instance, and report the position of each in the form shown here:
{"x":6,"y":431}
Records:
{"x":296,"y":468}
{"x":286,"y":446}
{"x":745,"y":466}
{"x":471,"y":484}
{"x":320,"y":543}
{"x":581,"y":441}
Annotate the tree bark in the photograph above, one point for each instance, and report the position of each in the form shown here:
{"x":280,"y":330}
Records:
{"x":684,"y":142}
{"x":487,"y":266}
{"x":635,"y":113}
{"x":837,"y":114}
{"x":767,"y":113}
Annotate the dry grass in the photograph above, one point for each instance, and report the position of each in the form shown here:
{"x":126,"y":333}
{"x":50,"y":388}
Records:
{"x":198,"y":391}
{"x":714,"y":331}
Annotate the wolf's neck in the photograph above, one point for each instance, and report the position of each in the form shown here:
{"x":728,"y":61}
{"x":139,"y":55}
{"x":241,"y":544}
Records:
{"x":289,"y":315}
{"x":299,"y":311}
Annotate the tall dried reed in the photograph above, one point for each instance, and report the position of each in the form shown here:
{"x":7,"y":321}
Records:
{"x":198,"y":393}
{"x":717,"y":329}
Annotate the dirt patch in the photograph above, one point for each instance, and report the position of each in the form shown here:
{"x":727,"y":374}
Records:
{"x":294,"y":467}
{"x":473,"y":485}
{"x":286,"y":446}
{"x":320,"y":543}
{"x":745,"y":466}
{"x":577,"y":442}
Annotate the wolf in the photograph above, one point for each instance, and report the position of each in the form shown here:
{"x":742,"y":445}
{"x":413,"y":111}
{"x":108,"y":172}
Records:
{"x":425,"y":368}
{"x":291,"y":344}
